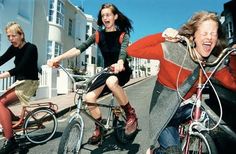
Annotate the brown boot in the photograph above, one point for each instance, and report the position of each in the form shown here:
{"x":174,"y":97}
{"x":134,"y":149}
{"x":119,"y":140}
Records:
{"x":131,"y":119}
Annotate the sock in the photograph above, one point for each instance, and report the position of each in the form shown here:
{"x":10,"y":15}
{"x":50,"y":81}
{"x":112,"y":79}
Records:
{"x":127,"y":108}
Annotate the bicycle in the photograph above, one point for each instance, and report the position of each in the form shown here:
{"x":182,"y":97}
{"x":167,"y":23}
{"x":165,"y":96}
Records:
{"x":194,"y":134}
{"x":72,"y":137}
{"x":37,"y":122}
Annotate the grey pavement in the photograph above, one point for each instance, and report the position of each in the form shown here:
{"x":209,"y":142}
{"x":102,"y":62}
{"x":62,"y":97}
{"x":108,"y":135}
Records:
{"x":64,"y":102}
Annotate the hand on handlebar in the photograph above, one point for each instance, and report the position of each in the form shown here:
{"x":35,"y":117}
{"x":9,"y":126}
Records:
{"x":234,"y":47}
{"x":54,"y":63}
{"x":171,"y":35}
{"x":116,"y":68}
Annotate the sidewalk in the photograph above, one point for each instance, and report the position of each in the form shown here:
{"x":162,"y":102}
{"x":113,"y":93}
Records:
{"x":64,"y":102}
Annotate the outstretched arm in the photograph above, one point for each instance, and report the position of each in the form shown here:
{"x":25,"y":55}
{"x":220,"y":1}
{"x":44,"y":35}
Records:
{"x":148,"y":47}
{"x":68,"y":54}
{"x":72,"y":52}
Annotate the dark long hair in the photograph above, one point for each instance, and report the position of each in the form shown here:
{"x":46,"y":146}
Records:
{"x":122,"y":22}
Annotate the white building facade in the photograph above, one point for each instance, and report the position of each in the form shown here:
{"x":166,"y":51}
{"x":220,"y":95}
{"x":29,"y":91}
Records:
{"x":54,"y":26}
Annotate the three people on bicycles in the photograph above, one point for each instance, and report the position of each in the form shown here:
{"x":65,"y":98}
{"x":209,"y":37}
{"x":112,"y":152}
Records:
{"x":26,"y":76}
{"x":176,"y":67}
{"x":112,"y":24}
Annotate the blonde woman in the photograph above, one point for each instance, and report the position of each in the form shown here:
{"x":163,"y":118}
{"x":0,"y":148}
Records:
{"x":25,"y":72}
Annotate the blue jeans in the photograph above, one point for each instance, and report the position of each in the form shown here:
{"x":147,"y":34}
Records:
{"x":170,"y":135}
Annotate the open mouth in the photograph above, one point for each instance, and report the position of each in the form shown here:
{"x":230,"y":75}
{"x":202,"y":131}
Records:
{"x":207,"y":47}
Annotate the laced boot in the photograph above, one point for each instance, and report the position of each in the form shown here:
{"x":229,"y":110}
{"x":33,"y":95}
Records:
{"x":96,"y":137}
{"x":9,"y":146}
{"x":131,"y":119}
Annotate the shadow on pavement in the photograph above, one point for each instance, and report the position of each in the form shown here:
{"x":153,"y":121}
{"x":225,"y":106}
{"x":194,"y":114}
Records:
{"x":110,"y":144}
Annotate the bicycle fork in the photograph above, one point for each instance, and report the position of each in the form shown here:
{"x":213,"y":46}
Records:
{"x":79,"y":118}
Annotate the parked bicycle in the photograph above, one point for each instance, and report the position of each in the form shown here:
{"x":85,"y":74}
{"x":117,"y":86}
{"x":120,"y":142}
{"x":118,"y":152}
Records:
{"x":72,"y":137}
{"x":37,"y":122}
{"x":194,"y":134}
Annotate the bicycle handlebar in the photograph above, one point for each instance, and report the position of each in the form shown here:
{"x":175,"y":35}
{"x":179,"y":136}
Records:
{"x":195,"y":58}
{"x":90,"y":79}
{"x":70,"y":76}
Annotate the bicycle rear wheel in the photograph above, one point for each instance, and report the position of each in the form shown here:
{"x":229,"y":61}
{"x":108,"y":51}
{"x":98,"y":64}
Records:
{"x":40,"y":125}
{"x":71,"y":139}
{"x":200,"y":143}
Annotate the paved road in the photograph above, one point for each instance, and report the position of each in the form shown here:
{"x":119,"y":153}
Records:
{"x":140,"y":101}
{"x":139,"y":95}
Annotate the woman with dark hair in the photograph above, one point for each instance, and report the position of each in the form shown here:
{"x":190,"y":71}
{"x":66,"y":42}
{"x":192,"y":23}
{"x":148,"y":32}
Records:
{"x":112,"y":24}
{"x":176,"y":67}
{"x":26,"y":76}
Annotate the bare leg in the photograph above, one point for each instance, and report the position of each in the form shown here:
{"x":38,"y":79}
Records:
{"x":119,"y":93}
{"x":117,"y":90}
{"x":91,"y":97}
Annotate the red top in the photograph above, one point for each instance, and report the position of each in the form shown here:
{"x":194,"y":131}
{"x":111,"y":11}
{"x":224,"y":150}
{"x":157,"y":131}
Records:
{"x":153,"y":47}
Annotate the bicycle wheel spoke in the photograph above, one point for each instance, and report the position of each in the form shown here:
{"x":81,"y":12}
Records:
{"x":71,"y":139}
{"x":40,"y":125}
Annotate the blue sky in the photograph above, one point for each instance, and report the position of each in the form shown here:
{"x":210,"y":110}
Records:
{"x":152,"y":16}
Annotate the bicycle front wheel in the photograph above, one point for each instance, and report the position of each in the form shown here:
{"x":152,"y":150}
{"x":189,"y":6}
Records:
{"x":40,"y":125}
{"x":200,"y":143}
{"x":71,"y":139}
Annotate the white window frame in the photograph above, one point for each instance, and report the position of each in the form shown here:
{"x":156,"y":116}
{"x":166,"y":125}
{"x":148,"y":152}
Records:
{"x":58,"y":49}
{"x":54,"y":49}
{"x":60,"y":13}
{"x":51,"y":6}
{"x":56,"y":12}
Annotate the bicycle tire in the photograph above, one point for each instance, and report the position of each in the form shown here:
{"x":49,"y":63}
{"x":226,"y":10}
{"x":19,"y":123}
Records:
{"x":40,"y":125}
{"x":71,"y":139}
{"x":201,"y":143}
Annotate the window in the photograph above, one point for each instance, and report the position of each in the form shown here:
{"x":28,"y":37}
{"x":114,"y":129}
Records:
{"x":93,"y":60}
{"x":51,"y":10}
{"x":58,"y":49}
{"x":230,"y":29}
{"x":56,"y":12}
{"x":60,"y":13}
{"x":70,"y":27}
{"x":54,"y":49}
{"x":87,"y":32}
{"x":86,"y":59}
{"x":49,"y":50}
